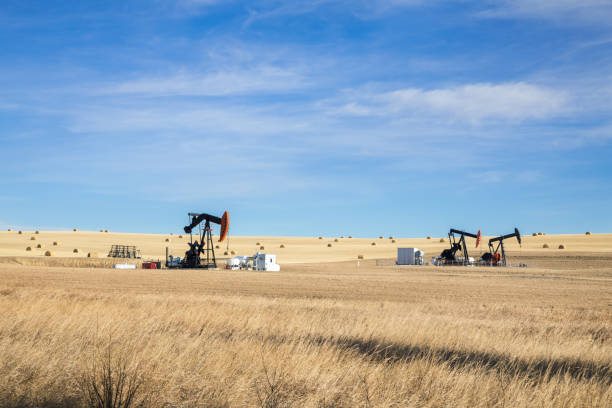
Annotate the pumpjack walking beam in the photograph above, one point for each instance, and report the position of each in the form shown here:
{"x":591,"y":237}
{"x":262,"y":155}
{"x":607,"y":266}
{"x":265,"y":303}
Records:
{"x":498,"y":253}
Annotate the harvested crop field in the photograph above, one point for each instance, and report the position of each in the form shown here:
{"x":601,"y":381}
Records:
{"x":316,"y":334}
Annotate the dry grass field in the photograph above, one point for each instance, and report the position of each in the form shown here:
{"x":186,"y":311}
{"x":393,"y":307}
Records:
{"x":324,"y":332}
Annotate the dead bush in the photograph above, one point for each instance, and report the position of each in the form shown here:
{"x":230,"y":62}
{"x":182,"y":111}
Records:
{"x":113,"y":380}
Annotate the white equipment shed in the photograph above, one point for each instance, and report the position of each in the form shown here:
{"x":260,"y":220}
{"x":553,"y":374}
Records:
{"x":265,"y":262}
{"x":410,"y":256}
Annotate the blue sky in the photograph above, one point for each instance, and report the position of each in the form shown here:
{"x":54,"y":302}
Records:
{"x":308,"y":117}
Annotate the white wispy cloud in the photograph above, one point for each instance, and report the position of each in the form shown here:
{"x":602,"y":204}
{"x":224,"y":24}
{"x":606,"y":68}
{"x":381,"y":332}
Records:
{"x":261,"y":79}
{"x":567,"y":10}
{"x":477,"y":102}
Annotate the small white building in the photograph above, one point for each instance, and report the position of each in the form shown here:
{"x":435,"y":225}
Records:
{"x":265,"y":262}
{"x":410,"y":256}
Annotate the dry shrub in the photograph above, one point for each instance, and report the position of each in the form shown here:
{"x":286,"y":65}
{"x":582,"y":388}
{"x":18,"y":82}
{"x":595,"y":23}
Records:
{"x":561,"y":246}
{"x":261,"y":247}
{"x":48,"y":253}
{"x":55,"y":243}
{"x":37,"y":232}
{"x":329,"y":245}
{"x":75,"y":250}
{"x":92,"y":254}
{"x":428,"y":237}
{"x":545,"y":246}
{"x":113,"y":380}
{"x":360,"y":256}
{"x":282,"y":245}
{"x":588,"y":233}
{"x":40,"y":246}
{"x":28,"y":248}
{"x":32,"y":238}
{"x":20,"y":232}
{"x":373,"y":243}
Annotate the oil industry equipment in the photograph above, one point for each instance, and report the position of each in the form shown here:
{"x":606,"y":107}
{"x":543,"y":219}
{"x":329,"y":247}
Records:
{"x":497,"y":255}
{"x":201,"y":252}
{"x":457,"y":244}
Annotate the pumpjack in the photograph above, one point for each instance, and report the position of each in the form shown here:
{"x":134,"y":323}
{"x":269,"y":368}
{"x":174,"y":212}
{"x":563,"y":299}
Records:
{"x":449,"y":256}
{"x":497,"y":255}
{"x":201,"y":254}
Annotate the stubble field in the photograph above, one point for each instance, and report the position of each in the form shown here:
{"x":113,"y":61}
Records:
{"x":323,"y":332}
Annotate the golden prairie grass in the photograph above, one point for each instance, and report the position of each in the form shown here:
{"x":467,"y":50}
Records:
{"x":327,"y":335}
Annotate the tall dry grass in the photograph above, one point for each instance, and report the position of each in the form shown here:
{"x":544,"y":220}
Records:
{"x":187,"y":344}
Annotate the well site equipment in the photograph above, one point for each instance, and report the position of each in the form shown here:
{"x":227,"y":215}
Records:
{"x":497,"y":254}
{"x":201,"y":252}
{"x":410,"y":256}
{"x":458,"y":246}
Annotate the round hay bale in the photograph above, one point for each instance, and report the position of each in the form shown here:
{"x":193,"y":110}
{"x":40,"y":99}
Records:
{"x":336,"y":240}
{"x":393,"y":241}
{"x":350,"y":236}
{"x":20,"y":232}
{"x":261,"y":247}
{"x":10,"y":230}
{"x":342,"y":236}
{"x":428,"y":237}
{"x":167,"y":239}
{"x":545,"y":246}
{"x":40,"y":246}
{"x":360,"y":257}
{"x":225,"y":253}
{"x":75,"y":250}
{"x":587,"y":233}
{"x":28,"y":248}
{"x":37,"y":232}
{"x":171,"y":233}
{"x":390,"y":237}
{"x":101,"y":230}
{"x":48,"y":253}
{"x":373,"y":243}
{"x":180,"y":236}
{"x":105,"y":230}
{"x":320,"y":237}
{"x":92,"y":254}
{"x":55,"y":243}
{"x":32,"y":238}
{"x":381,"y":237}
{"x":561,"y":246}
{"x":74,"y":229}
{"x":442,"y":240}
{"x":233,"y":252}
{"x":329,"y":245}
{"x":535,"y":234}
{"x":258,"y":243}
{"x":539,"y":233}
{"x":282,"y":245}
{"x":543,"y":233}
{"x":217,"y":247}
